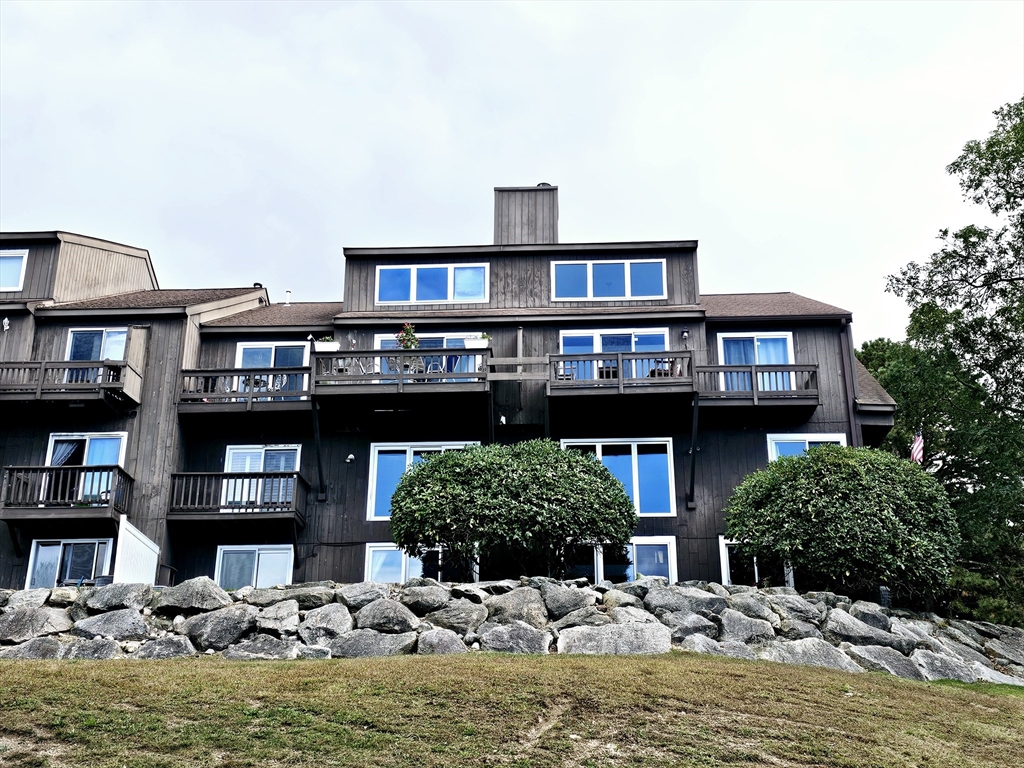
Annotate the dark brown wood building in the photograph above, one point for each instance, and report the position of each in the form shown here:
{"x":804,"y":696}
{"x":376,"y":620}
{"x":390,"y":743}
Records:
{"x":260,"y":443}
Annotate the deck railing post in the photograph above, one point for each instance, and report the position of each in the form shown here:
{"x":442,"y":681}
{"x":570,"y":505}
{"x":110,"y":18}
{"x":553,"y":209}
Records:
{"x":753,"y":382}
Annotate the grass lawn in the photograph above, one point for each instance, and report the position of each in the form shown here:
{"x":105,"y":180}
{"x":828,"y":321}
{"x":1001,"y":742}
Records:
{"x":503,"y":710}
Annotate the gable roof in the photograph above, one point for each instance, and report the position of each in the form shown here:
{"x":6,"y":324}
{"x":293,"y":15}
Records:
{"x":749,"y":305}
{"x":159,"y":299}
{"x":869,"y":391}
{"x":306,"y":314}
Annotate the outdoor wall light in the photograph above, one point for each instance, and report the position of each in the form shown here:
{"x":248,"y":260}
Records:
{"x":350,"y":458}
{"x":686,"y":334}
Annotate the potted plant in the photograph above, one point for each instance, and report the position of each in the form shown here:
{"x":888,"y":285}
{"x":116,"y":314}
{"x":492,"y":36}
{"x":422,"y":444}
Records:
{"x":326,"y":344}
{"x":407,"y":338}
{"x":478,"y":342}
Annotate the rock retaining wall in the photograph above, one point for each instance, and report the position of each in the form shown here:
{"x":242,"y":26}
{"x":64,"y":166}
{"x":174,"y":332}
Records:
{"x":538,"y":615}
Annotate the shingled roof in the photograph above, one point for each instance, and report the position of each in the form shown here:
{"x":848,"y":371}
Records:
{"x":159,"y":299}
{"x":722,"y":305}
{"x":305,"y":314}
{"x":869,"y":391}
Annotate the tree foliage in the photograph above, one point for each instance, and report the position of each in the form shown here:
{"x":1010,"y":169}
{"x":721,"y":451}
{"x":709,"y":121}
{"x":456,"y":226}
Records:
{"x":531,"y":501}
{"x":849,"y":519}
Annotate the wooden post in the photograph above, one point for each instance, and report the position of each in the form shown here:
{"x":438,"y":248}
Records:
{"x":691,"y":499}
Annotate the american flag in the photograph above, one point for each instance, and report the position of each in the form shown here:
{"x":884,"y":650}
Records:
{"x":917,"y":448}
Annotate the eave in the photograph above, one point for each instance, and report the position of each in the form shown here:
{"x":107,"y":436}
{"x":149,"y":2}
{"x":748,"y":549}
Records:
{"x":472,"y":250}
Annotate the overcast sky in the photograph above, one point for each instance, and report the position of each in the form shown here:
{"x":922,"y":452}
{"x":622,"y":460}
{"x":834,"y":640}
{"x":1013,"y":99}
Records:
{"x":803,"y":144}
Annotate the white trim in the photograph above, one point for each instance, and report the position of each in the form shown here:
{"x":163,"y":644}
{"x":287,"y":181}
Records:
{"x":13,"y":253}
{"x":380,"y":337}
{"x":723,"y":554}
{"x":787,"y":335}
{"x":87,"y":436}
{"x":409,"y":448}
{"x":61,"y":542}
{"x":263,"y":448}
{"x":243,"y":345}
{"x":383,"y":546}
{"x":103,"y":342}
{"x":259,"y":548}
{"x":807,"y":437}
{"x":634,"y":442}
{"x":673,"y":574}
{"x":413,"y":268}
{"x":628,"y":295}
{"x":596,"y":332}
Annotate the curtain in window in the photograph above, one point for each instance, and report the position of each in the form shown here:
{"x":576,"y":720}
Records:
{"x":738,"y":352}
{"x":62,"y":451}
{"x":773,"y":351}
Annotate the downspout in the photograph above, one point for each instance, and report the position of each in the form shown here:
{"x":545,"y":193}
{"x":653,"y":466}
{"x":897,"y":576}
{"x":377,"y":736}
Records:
{"x":849,"y":381}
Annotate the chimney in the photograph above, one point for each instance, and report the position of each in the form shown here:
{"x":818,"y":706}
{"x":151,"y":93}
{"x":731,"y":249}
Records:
{"x":526,"y":215}
{"x":287,"y":298}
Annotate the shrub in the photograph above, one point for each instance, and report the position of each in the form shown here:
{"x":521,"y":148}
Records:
{"x":532,"y":502}
{"x":849,"y":519}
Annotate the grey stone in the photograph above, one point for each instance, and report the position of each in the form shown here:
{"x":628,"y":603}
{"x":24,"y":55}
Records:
{"x":809,"y":651}
{"x":513,"y":637}
{"x":988,"y":675}
{"x":704,"y":644}
{"x":357,"y":596}
{"x":717,"y":589}
{"x":962,"y":652}
{"x":308,"y":598}
{"x":686,"y":599}
{"x":779,"y":591}
{"x":561,"y":600}
{"x":98,"y":648}
{"x":743,"y":629}
{"x":498,"y":587}
{"x":437,"y":642}
{"x":880,"y":658}
{"x":78,"y":609}
{"x":62,"y":597}
{"x":5,"y":595}
{"x":795,"y":607}
{"x":828,"y":598}
{"x":116,"y":597}
{"x":616,"y":639}
{"x":469,"y":592}
{"x":685,"y":624}
{"x":424,"y":599}
{"x":871,"y":614}
{"x":936,"y":666}
{"x":170,"y":647}
{"x":36,"y":648}
{"x":218,"y":629}
{"x":321,"y":625}
{"x":306,"y":584}
{"x":386,"y":616}
{"x":27,"y":598}
{"x":640,"y":587}
{"x":920,"y":640}
{"x":794,"y":629}
{"x":280,"y":618}
{"x":368,"y":642}
{"x":841,"y":627}
{"x":582,"y":582}
{"x":630,"y":615}
{"x":615,"y":598}
{"x":754,"y":608}
{"x":192,"y":596}
{"x":734,"y":650}
{"x":998,"y":648}
{"x":963,"y":638}
{"x":313,"y":652}
{"x":20,"y":624}
{"x":461,"y":616}
{"x":536,"y":582}
{"x":124,"y":624}
{"x":521,"y":604}
{"x":739,"y":589}
{"x":588,"y":616}
{"x":262,"y":647}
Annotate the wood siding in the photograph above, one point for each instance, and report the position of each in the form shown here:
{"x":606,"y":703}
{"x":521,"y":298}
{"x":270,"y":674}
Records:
{"x":526,"y":216}
{"x":39,"y":271}
{"x":16,"y":343}
{"x":85,"y":271}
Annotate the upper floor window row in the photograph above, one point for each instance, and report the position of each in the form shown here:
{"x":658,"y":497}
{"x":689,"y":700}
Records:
{"x":433,"y":284}
{"x":608,"y":280}
{"x":12,"y":270}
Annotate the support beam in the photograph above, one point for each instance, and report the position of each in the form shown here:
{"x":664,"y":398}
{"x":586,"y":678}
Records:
{"x":691,"y":499}
{"x":321,"y":490}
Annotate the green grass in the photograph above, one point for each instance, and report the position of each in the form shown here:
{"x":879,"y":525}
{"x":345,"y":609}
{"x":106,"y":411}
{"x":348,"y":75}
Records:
{"x":494,"y":710}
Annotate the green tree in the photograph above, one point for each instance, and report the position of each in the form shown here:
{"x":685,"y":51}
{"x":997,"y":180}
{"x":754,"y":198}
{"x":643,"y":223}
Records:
{"x":532,"y":502}
{"x":849,"y":519}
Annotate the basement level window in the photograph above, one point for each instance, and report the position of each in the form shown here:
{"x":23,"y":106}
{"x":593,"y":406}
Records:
{"x":387,"y":564}
{"x":52,"y":562}
{"x":256,"y":566}
{"x":794,"y":445}
{"x":12,"y":269}
{"x":608,"y":280}
{"x":433,"y":284}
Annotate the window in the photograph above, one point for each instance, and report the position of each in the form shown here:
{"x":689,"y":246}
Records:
{"x":794,"y":445}
{"x":643,"y":556}
{"x":608,"y":280}
{"x":764,"y":349}
{"x":613,"y":340}
{"x":259,"y":492}
{"x":467,"y":363}
{"x":93,"y":344}
{"x":12,"y":270}
{"x":253,"y":566}
{"x":386,"y":563}
{"x":644,"y":467}
{"x":269,"y":354}
{"x":752,"y":571}
{"x":388,"y":462}
{"x":433,"y":284}
{"x":51,"y":562}
{"x":87,"y":449}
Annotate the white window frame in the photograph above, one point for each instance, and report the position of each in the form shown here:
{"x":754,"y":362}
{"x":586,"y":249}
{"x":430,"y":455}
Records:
{"x":628,"y":281}
{"x":413,"y":269}
{"x":755,"y":335}
{"x":263,"y":448}
{"x":14,"y":253}
{"x":255,"y":490}
{"x":723,"y":554}
{"x":222,"y":548}
{"x":410,"y":448}
{"x":634,"y":442}
{"x":673,"y":571}
{"x":87,"y":436}
{"x":383,"y":546}
{"x":838,"y":438}
{"x":61,"y":542}
{"x":243,"y":345}
{"x":103,"y":344}
{"x":380,"y":338}
{"x":596,"y":333}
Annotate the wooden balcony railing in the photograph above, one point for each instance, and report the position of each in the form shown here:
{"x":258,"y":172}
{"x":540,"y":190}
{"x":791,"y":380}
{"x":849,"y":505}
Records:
{"x":401,"y":368}
{"x":245,"y":385}
{"x":67,"y":487}
{"x":757,"y":382}
{"x":621,"y":370}
{"x":197,"y":493}
{"x":44,"y":379}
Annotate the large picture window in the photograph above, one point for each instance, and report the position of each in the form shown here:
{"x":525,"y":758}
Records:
{"x":752,"y":571}
{"x":644,"y":467}
{"x":763,"y":349}
{"x":55,"y":561}
{"x":387,"y":564}
{"x":12,"y":270}
{"x":433,"y":284}
{"x":255,"y":492}
{"x":254,"y":566}
{"x":608,"y":280}
{"x":794,"y":445}
{"x":643,"y":556}
{"x":388,"y":462}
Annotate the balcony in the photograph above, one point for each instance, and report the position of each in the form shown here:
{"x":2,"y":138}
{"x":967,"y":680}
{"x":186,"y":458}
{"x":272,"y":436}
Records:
{"x":620,"y":373}
{"x":401,"y":370}
{"x":794,"y":385}
{"x":244,"y":389}
{"x":238,"y":496}
{"x":65,"y":493}
{"x":118,"y":382}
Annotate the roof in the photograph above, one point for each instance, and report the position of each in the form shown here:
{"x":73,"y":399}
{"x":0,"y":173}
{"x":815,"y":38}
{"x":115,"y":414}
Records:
{"x":308,"y":313}
{"x":747,"y":305}
{"x":869,"y":391}
{"x":553,"y":248}
{"x":158,"y":299}
{"x":72,"y":237}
